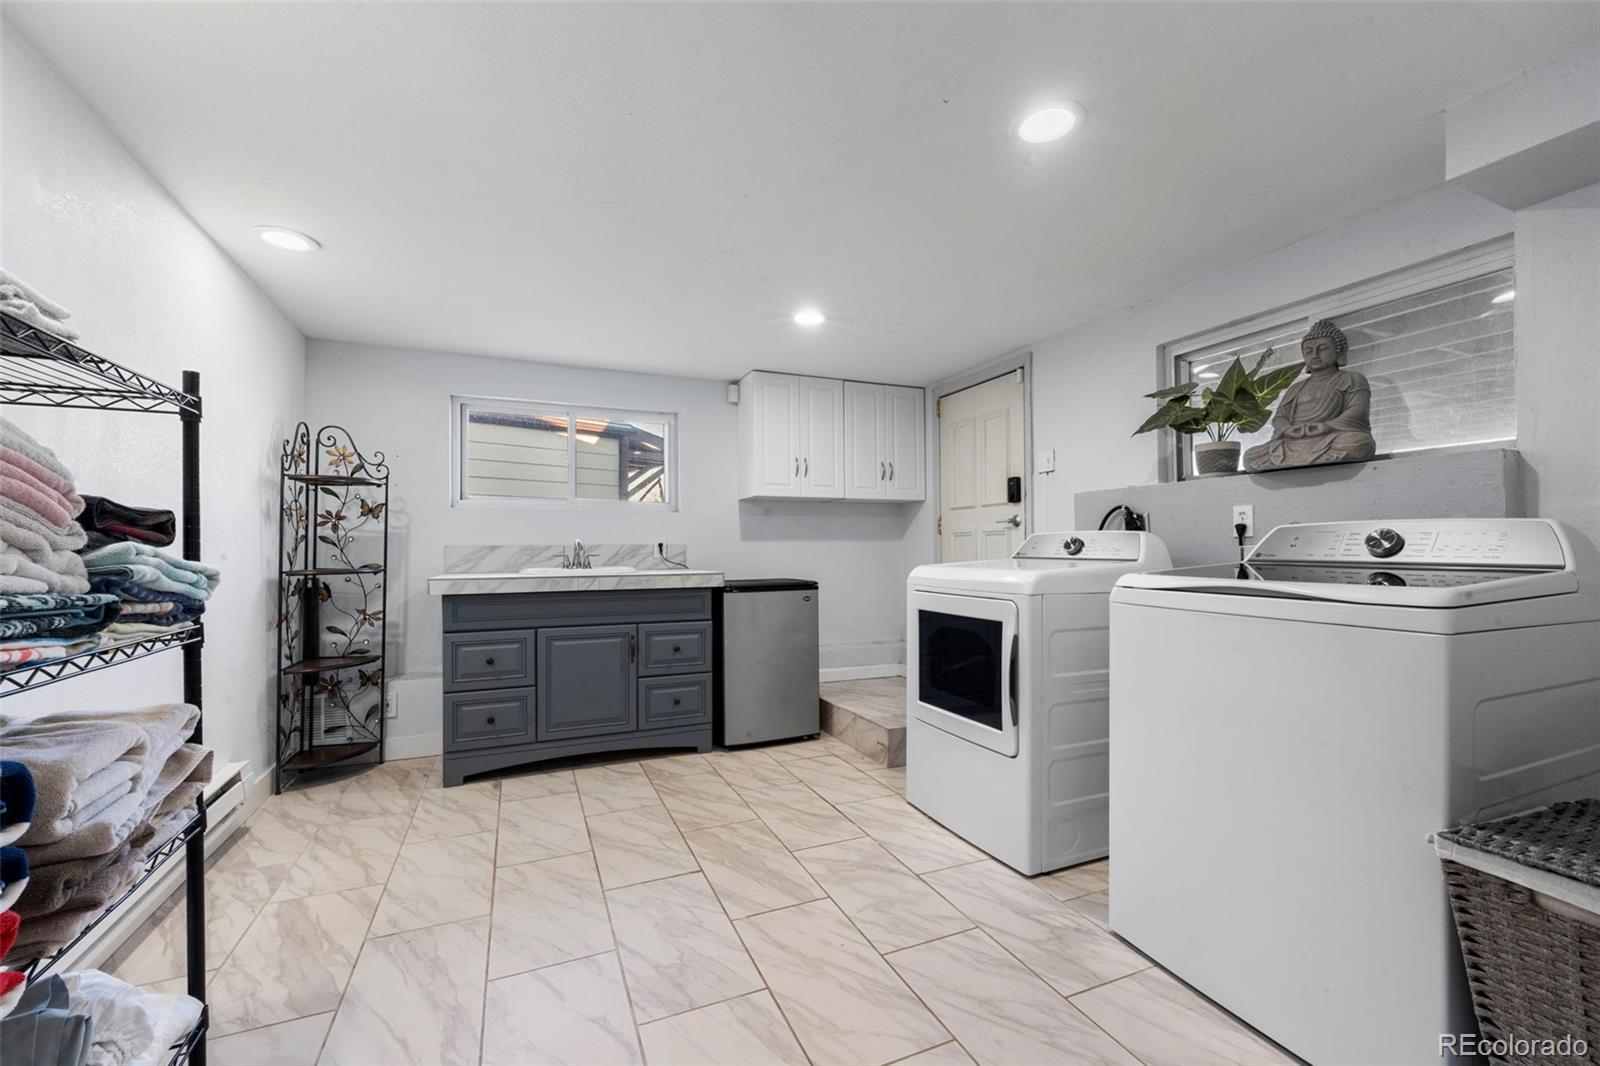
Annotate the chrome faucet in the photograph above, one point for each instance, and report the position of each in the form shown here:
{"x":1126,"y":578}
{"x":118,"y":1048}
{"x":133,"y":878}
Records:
{"x":580,"y":559}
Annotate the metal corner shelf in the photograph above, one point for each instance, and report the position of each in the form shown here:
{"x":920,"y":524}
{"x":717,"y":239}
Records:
{"x":38,"y":369}
{"x":333,"y":594}
{"x":43,"y":672}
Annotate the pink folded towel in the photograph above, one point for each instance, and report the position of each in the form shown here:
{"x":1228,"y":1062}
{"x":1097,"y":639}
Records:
{"x":49,"y":505}
{"x":40,"y":473}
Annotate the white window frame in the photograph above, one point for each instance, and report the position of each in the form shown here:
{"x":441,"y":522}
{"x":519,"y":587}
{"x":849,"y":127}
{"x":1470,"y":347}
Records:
{"x":1485,"y":258}
{"x":460,"y":406}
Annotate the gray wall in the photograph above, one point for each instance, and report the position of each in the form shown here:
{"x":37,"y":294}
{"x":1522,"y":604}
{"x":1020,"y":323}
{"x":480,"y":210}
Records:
{"x":399,"y":401}
{"x":88,"y":225}
{"x":1192,"y":517}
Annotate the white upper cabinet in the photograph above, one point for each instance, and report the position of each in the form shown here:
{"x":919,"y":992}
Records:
{"x":904,"y":441}
{"x":822,"y":438}
{"x":866,"y":472}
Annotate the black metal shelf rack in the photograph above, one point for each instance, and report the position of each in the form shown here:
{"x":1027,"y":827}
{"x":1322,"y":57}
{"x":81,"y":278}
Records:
{"x":38,"y":369}
{"x":333,"y":558}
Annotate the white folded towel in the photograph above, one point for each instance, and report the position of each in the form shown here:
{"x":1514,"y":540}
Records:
{"x":34,"y":296}
{"x":13,"y":303}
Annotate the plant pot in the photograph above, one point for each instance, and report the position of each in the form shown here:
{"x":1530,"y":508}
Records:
{"x":1216,"y":457}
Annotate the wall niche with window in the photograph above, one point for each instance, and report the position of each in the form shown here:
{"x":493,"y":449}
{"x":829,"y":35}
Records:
{"x":520,"y":452}
{"x":1435,"y":342}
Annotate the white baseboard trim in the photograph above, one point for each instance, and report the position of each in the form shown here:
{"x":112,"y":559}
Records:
{"x":416,"y":746}
{"x":861,"y":673}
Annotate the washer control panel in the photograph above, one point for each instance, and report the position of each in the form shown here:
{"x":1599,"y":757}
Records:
{"x":1089,"y":544}
{"x":1514,"y":543}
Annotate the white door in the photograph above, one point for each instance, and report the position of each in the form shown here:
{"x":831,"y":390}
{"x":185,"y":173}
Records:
{"x":776,"y":406}
{"x":980,"y":447}
{"x":903,"y":441}
{"x":822,"y":438}
{"x":866,"y":470}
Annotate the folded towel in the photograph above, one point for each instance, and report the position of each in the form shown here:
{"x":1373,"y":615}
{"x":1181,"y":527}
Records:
{"x":61,"y":758}
{"x":12,"y":891}
{"x":14,"y":653}
{"x":60,"y":572}
{"x":100,"y":835}
{"x":166,"y":726}
{"x":190,"y":763}
{"x":34,"y":296}
{"x":13,"y":303}
{"x":52,"y":615}
{"x":131,"y":1025}
{"x":13,"y":865}
{"x":51,"y":504}
{"x":42,"y":1028}
{"x":44,"y":475}
{"x":46,"y":933}
{"x":129,"y":592}
{"x":17,"y":799}
{"x":9,"y":921}
{"x":121,"y":632}
{"x":153,"y":568}
{"x":22,"y":529}
{"x":54,"y":886}
{"x":121,"y":522}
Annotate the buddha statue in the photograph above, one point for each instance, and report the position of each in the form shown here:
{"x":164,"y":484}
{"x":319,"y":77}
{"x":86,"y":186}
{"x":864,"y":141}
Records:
{"x":1325,"y":416}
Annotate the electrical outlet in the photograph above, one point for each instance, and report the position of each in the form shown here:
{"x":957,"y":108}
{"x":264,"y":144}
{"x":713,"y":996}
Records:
{"x":1245,"y":513}
{"x":391,"y":703}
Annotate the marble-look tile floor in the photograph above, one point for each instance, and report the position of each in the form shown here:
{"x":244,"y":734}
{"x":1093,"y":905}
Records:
{"x":777,"y":905}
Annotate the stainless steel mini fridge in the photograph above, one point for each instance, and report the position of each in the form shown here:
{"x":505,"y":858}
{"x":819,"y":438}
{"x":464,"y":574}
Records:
{"x":766,"y":677}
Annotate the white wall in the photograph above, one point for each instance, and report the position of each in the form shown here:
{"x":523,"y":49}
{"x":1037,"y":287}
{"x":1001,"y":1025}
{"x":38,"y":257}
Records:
{"x":90,"y":227}
{"x":399,"y":401}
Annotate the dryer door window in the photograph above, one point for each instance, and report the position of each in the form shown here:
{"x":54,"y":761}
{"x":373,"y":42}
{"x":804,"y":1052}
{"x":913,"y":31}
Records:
{"x":960,"y":665}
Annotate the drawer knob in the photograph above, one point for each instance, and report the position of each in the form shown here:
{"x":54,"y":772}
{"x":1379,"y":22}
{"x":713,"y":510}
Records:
{"x":491,"y":719}
{"x":489,"y":661}
{"x":676,"y":702}
{"x":676,"y":648}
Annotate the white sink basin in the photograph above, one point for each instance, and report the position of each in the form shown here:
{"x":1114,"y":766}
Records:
{"x":561,"y":571}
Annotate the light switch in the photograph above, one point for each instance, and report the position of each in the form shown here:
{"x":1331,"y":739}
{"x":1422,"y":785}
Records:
{"x":1044,"y":461}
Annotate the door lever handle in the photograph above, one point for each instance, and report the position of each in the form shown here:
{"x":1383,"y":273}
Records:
{"x":1015,"y":521}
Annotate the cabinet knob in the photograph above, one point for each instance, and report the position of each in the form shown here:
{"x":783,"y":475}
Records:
{"x":490,"y":719}
{"x":676,"y":702}
{"x":676,"y":649}
{"x":489,"y":661}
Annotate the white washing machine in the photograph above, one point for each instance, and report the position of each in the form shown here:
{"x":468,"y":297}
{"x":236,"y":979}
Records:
{"x":1286,"y":732}
{"x":1006,"y":694}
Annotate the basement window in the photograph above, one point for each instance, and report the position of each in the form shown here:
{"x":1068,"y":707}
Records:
{"x":512,"y":451}
{"x":1435,"y":342}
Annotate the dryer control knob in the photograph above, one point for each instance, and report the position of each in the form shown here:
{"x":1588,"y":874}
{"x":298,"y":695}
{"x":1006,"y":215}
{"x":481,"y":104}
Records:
{"x":1382,"y":543}
{"x":1072,"y":545}
{"x":1383,"y":577}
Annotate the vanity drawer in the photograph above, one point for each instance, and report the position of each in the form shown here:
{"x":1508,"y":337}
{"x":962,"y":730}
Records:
{"x":668,"y":701}
{"x":487,"y":719}
{"x":675,"y":648}
{"x":488,"y":660}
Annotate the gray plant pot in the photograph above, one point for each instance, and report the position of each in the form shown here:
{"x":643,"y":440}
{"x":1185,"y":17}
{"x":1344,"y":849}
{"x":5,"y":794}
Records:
{"x":1216,"y":457}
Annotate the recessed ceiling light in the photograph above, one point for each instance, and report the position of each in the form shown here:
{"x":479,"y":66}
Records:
{"x":1505,"y":297}
{"x":809,"y":316}
{"x":287,"y":239}
{"x":1050,"y":123}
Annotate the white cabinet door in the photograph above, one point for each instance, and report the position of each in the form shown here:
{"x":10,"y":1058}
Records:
{"x":866,"y":468}
{"x":769,"y":435}
{"x":822,"y":438}
{"x":903,"y":442}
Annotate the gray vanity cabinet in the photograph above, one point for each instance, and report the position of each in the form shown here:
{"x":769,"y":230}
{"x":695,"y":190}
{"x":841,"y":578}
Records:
{"x":536,"y":676}
{"x":587,"y":681}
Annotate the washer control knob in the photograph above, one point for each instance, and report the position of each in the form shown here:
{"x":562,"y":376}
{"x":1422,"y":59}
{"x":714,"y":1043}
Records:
{"x":1382,"y":543}
{"x":1072,"y":545}
{"x":1384,"y":577}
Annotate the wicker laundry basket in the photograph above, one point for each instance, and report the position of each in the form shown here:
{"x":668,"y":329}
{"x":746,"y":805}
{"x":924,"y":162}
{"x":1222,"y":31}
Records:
{"x":1525,"y":892}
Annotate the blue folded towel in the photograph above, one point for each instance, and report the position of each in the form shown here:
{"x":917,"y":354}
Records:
{"x":13,"y":865}
{"x":16,"y":800}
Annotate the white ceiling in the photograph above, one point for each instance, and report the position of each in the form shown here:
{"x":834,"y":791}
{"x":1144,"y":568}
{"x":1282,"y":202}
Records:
{"x":658,"y":187}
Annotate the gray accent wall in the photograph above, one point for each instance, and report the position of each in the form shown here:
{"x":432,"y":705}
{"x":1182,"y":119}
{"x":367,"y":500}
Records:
{"x":1194,"y":518}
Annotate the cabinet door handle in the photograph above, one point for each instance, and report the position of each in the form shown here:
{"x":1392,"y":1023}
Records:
{"x":880,"y":469}
{"x":633,"y":647}
{"x":891,"y":470}
{"x":797,"y":466}
{"x":808,"y":466}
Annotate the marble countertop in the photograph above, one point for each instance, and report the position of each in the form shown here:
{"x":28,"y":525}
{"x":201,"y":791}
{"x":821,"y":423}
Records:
{"x":478,"y":584}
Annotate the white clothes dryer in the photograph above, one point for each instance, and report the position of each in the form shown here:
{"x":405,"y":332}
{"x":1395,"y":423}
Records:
{"x":1006,"y":694}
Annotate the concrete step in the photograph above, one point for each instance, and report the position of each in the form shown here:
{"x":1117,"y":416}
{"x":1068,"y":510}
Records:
{"x":869,"y":715}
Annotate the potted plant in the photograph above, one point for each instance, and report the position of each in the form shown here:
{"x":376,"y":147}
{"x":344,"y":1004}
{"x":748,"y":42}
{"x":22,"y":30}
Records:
{"x":1239,"y":403}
